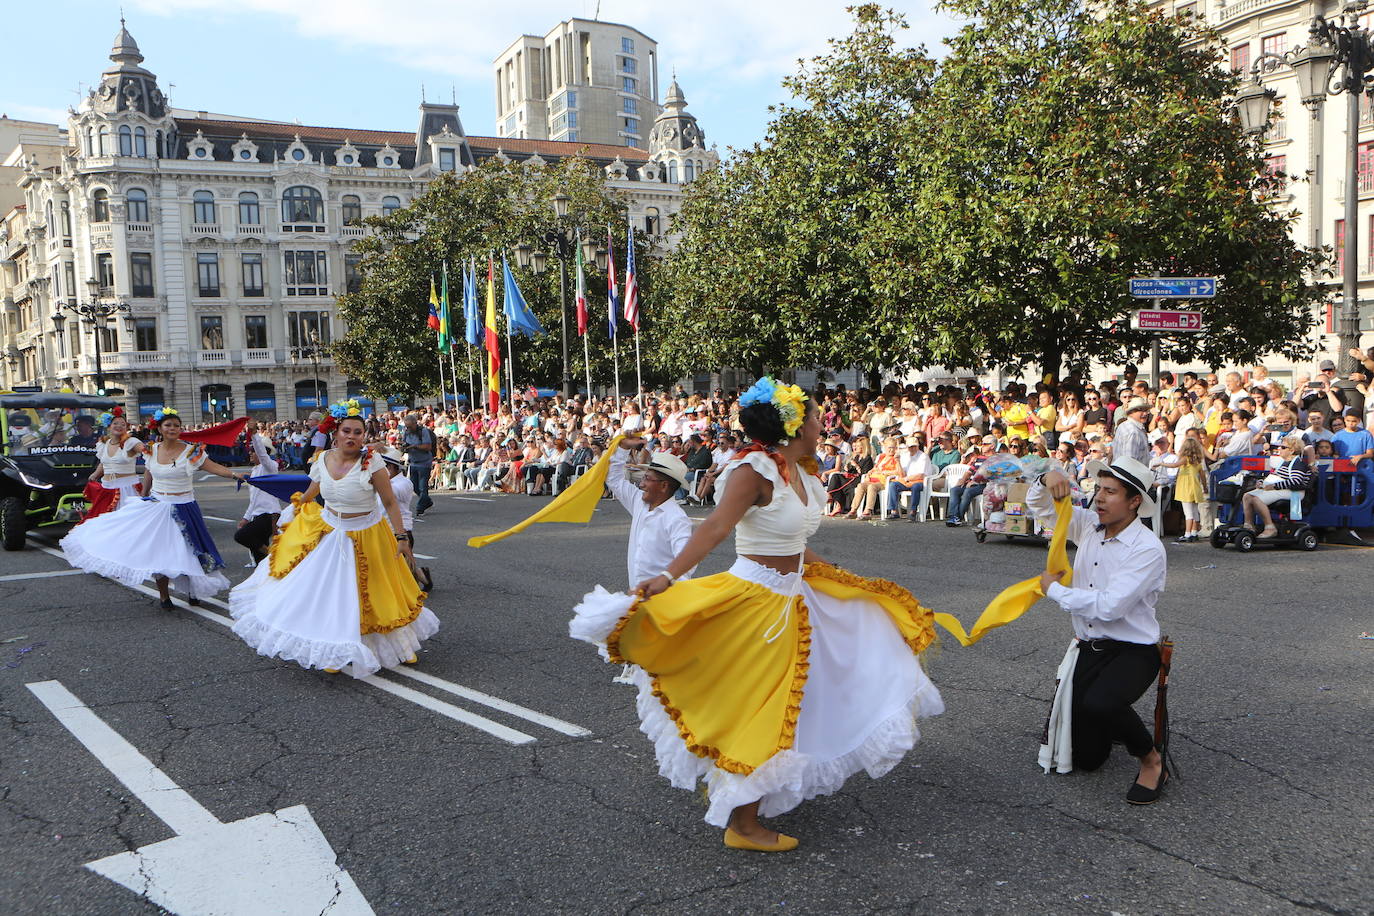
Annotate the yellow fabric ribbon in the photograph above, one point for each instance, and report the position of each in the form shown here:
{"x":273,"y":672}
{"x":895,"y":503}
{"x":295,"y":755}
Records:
{"x":574,"y":505}
{"x":1016,"y":599}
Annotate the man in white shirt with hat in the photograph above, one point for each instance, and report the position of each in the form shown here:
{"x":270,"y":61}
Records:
{"x":1118,"y":576}
{"x":659,"y":529}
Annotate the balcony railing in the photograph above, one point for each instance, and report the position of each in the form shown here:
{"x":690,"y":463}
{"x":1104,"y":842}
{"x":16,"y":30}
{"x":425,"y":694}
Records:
{"x":205,"y":228}
{"x":138,"y":227}
{"x":353,"y":231}
{"x":249,"y":229}
{"x":212,"y":358}
{"x":259,"y":357}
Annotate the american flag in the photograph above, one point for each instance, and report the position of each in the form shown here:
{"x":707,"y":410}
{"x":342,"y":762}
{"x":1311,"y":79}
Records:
{"x":631,"y":283}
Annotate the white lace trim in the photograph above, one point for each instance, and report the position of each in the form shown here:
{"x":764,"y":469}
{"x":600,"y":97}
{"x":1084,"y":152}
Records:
{"x":201,"y":586}
{"x":787,"y":778}
{"x":371,"y":653}
{"x":596,"y":616}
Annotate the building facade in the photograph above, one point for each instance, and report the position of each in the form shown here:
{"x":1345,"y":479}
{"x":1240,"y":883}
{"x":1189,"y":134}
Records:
{"x":1307,"y":144}
{"x":588,"y":81}
{"x":228,"y":239}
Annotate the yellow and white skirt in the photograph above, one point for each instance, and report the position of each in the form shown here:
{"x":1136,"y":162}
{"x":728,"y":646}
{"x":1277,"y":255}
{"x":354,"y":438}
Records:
{"x":771,"y":687}
{"x":333,"y":594}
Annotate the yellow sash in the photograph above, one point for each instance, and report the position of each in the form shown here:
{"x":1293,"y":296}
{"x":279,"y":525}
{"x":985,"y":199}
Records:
{"x":1016,"y":599}
{"x":574,"y":505}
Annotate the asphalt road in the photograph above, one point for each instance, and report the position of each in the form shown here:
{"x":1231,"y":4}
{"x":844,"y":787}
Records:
{"x":1271,"y":700}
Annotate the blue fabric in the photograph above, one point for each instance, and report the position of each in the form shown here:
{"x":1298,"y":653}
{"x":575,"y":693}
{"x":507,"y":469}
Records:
{"x":192,"y":525}
{"x":282,"y":486}
{"x":521,"y":319}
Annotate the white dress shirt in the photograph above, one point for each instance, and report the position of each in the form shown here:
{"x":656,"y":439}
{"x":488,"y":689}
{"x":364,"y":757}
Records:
{"x":1116,"y":581}
{"x":260,"y":502}
{"x":404,"y":492}
{"x":657,"y":535}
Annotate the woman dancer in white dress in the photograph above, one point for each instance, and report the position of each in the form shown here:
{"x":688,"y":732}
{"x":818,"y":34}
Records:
{"x":336,"y":589}
{"x":162,"y":536}
{"x":775,"y":681}
{"x":116,"y":474}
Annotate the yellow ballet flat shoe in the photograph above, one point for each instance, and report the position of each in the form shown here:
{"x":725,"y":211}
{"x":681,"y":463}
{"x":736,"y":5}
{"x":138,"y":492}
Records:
{"x":737,"y":841}
{"x":331,"y":671}
{"x":411,"y":661}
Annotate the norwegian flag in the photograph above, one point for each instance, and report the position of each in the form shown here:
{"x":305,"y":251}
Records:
{"x":631,"y":283}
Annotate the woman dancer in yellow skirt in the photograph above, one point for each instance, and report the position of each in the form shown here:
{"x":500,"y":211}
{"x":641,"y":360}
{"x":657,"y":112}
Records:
{"x":336,"y":590}
{"x":775,"y":681}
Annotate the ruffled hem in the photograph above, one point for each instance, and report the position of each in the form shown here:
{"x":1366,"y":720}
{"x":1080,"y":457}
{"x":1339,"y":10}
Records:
{"x":788,"y":778}
{"x":360,"y":659}
{"x":200,"y":586}
{"x":597,"y":616}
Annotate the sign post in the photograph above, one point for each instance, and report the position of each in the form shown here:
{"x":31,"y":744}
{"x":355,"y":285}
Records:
{"x":1158,"y":289}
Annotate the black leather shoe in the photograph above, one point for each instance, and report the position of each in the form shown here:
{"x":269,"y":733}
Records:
{"x":1143,"y":795}
{"x":193,"y":602}
{"x":166,"y":604}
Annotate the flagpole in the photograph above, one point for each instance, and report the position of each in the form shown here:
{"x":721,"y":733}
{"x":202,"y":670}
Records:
{"x":639,"y":376}
{"x":439,"y":357}
{"x":615,"y":352}
{"x":510,"y":333}
{"x":472,"y":389}
{"x":587,"y":362}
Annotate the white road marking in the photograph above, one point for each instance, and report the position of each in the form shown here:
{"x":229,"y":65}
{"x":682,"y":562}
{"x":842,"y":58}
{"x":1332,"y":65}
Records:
{"x":424,"y":556}
{"x":473,"y":499}
{"x":209,"y":866}
{"x":42,"y":575}
{"x":216,"y":518}
{"x":444,"y":709}
{"x":476,"y":696}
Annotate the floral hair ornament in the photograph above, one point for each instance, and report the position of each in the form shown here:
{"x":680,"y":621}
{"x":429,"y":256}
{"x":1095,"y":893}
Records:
{"x":163,"y":413}
{"x":349,"y":408}
{"x":789,"y":400}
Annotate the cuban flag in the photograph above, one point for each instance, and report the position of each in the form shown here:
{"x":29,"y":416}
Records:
{"x":612,"y":291}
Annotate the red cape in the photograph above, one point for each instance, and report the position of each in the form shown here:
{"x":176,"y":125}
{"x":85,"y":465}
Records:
{"x":220,"y":434}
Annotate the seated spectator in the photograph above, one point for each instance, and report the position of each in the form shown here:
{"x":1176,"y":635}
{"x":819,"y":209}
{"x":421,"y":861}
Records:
{"x":962,"y":495}
{"x":942,"y":456}
{"x":1354,"y":441}
{"x":842,"y":486}
{"x":915,"y":468}
{"x":1239,"y":440}
{"x":577,"y":459}
{"x":870,"y":487}
{"x":1292,"y":475}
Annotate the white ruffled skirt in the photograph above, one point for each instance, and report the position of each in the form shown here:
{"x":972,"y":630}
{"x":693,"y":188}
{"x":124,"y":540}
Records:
{"x":312,"y":615}
{"x":864,"y":691}
{"x":145,"y":538}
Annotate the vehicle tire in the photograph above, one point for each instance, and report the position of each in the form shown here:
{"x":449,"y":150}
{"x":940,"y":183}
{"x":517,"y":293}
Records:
{"x":1308,"y":540}
{"x":14,"y":524}
{"x":1218,"y":538}
{"x":1245,"y":542}
{"x":980,"y":536}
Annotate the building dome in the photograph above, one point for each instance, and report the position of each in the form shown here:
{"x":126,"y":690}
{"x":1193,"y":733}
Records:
{"x":675,"y":128}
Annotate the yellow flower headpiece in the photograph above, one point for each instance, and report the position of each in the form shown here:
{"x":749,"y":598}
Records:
{"x":349,"y":408}
{"x":790,"y":401}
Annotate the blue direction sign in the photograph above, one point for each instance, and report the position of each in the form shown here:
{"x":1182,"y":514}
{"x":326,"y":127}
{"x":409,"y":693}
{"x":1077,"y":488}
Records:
{"x":1174,"y":287}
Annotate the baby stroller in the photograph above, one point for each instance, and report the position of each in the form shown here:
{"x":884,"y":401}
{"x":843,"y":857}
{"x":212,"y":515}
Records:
{"x":1288,"y":515}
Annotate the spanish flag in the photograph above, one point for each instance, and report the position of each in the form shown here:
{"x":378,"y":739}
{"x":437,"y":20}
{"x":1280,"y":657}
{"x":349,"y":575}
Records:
{"x":493,"y":344}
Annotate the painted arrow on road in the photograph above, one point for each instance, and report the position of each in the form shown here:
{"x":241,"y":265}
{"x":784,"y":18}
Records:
{"x":278,"y":863}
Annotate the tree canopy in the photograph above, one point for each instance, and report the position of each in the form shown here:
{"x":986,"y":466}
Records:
{"x":489,"y":210}
{"x":990,"y":209}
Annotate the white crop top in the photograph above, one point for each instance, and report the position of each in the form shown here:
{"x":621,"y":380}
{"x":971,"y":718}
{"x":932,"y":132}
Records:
{"x":781,"y":528}
{"x":351,"y":493}
{"x":119,"y":462}
{"x":177,"y":476}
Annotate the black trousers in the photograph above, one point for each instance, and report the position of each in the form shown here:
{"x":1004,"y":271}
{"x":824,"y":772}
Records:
{"x":256,"y":535}
{"x":1106,"y":681}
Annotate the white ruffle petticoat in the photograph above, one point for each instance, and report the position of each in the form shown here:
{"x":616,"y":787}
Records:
{"x":142,"y":539}
{"x":312,"y":615}
{"x":864,"y":691}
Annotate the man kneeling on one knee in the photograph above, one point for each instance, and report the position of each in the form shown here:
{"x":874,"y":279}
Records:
{"x":1118,"y":575}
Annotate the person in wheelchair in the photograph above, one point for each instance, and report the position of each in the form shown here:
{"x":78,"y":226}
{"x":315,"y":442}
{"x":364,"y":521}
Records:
{"x":1277,"y":487}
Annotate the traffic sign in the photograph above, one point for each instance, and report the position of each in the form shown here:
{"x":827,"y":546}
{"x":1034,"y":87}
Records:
{"x":1174,"y":287}
{"x":1166,"y":320}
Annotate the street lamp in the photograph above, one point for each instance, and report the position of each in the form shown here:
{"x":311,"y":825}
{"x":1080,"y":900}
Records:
{"x":561,"y":242}
{"x":311,"y":350}
{"x":95,"y":313}
{"x":1338,"y":59}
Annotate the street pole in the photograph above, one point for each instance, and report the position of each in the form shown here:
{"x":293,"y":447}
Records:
{"x":1349,"y":330}
{"x":563,"y":317}
{"x":99,"y":369}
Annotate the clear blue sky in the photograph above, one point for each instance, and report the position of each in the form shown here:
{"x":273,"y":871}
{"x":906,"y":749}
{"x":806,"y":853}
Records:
{"x":360,"y":63}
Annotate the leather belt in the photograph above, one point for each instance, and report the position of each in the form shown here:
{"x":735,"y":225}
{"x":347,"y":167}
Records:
{"x":1102,"y":644}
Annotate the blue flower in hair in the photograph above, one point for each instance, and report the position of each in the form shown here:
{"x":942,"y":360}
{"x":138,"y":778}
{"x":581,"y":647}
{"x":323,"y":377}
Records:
{"x":761,"y":393}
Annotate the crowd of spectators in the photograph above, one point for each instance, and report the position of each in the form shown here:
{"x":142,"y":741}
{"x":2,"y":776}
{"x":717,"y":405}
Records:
{"x":880,"y":450}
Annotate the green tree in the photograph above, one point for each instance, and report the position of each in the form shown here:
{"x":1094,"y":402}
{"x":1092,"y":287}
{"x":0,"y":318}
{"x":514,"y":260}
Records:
{"x":777,"y":252}
{"x":1064,"y":150}
{"x":490,"y":210}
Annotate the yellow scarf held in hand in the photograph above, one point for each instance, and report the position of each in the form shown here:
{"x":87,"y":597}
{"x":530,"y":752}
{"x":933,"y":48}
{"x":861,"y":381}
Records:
{"x":1016,"y":599}
{"x":574,"y":505}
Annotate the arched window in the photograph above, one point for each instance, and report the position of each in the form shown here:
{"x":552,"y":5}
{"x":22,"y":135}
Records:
{"x":302,"y":204}
{"x":390,"y":205}
{"x":688,"y":175}
{"x":126,"y":141}
{"x":140,"y":143}
{"x":137,"y":199}
{"x":100,"y":206}
{"x":352,"y":210}
{"x":249,"y":213}
{"x":651,"y":221}
{"x":90,"y":141}
{"x":50,"y":223}
{"x":103,"y":143}
{"x":157,"y":145}
{"x":672,"y":171}
{"x":66,"y":219}
{"x":203,"y":203}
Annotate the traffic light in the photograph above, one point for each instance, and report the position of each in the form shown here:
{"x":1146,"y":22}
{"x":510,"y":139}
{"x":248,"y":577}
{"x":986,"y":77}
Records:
{"x":100,"y":391}
{"x":229,"y":406}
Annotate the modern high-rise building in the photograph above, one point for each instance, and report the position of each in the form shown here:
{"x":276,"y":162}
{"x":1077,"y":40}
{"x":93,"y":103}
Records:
{"x":586,"y":81}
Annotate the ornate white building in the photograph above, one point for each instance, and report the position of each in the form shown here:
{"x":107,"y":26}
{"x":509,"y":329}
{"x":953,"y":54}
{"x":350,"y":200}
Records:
{"x":228,"y":239}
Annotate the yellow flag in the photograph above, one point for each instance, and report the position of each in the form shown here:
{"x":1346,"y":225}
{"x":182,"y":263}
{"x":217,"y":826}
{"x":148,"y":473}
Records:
{"x":574,"y":505}
{"x":1016,"y":599}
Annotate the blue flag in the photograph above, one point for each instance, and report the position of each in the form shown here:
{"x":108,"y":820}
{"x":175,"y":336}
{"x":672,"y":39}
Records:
{"x":521,"y":319}
{"x":472,"y":322}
